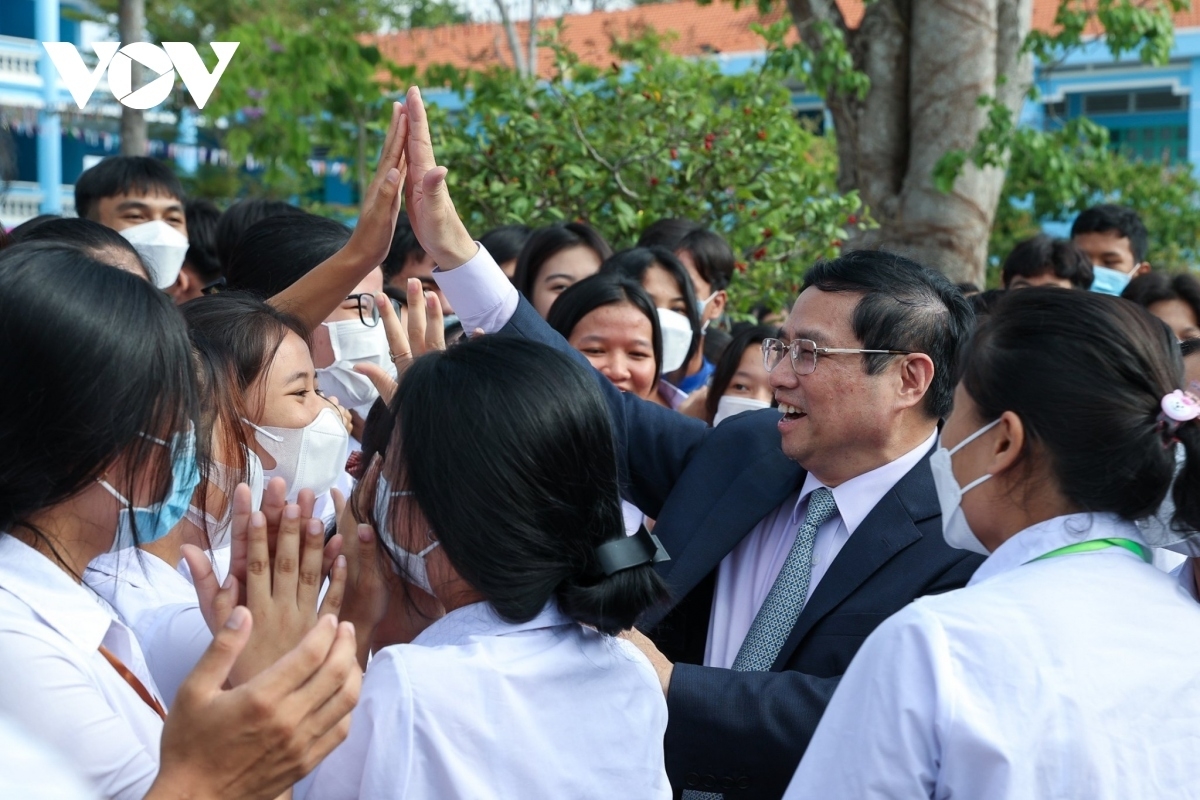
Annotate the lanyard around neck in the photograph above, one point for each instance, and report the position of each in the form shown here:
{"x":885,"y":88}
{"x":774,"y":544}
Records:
{"x":1139,"y":550}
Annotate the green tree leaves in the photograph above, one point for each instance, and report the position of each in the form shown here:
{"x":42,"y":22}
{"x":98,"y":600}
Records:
{"x":661,"y":137}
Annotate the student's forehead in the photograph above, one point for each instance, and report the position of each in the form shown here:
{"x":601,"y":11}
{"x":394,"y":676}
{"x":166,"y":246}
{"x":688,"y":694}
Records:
{"x":152,"y":197}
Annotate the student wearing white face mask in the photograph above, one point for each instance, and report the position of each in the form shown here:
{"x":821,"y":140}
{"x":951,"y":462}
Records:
{"x":99,"y":453}
{"x":1067,"y":666}
{"x":235,"y":341}
{"x":741,"y":381}
{"x":293,"y":431}
{"x":521,"y":689}
{"x":666,"y":281}
{"x":710,"y":263}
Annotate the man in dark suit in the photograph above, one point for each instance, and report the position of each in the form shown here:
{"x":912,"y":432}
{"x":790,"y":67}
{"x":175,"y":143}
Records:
{"x":791,"y":537}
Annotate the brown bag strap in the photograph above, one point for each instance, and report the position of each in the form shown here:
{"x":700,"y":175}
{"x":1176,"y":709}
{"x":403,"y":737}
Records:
{"x":133,"y":681}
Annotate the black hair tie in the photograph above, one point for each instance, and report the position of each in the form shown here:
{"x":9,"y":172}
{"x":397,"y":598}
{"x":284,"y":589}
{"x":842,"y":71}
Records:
{"x":628,"y":552}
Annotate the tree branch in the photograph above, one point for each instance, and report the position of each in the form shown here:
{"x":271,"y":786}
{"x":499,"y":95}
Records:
{"x":514,"y":41}
{"x":614,"y":170}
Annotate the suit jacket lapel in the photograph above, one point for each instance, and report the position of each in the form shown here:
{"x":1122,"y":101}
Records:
{"x":757,"y":491}
{"x":888,"y":529}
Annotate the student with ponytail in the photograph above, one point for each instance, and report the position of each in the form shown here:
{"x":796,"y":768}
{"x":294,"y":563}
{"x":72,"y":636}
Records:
{"x":1067,"y":666}
{"x":498,"y":495}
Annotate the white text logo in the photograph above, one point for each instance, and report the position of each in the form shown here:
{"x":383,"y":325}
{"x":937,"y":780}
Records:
{"x":161,"y":61}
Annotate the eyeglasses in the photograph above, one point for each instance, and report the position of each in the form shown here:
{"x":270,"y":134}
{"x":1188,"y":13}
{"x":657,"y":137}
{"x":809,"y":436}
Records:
{"x":804,"y":353}
{"x":215,"y":287}
{"x":368,"y":308}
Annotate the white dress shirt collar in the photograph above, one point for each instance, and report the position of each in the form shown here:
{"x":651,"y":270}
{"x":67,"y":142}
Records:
{"x":71,"y":610}
{"x":858,"y":496}
{"x":480,"y":619}
{"x":1039,"y":539}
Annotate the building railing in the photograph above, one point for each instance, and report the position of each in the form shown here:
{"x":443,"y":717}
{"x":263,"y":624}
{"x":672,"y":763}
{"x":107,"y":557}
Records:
{"x":19,"y":61}
{"x":22,"y":200}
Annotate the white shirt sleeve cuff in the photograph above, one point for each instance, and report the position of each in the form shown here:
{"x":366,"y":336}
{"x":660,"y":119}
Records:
{"x":479,"y":292}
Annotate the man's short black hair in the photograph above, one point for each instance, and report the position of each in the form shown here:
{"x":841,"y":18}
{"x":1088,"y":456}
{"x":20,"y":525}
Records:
{"x":124,"y":175}
{"x":202,"y":218}
{"x":905,"y":306}
{"x":1041,"y":255}
{"x":404,"y":247}
{"x":1109,"y":217}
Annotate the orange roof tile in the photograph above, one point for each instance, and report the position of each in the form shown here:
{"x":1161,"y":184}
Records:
{"x":714,"y":28}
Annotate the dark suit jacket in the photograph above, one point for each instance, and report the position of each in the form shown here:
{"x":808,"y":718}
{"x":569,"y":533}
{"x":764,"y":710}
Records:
{"x":741,"y":734}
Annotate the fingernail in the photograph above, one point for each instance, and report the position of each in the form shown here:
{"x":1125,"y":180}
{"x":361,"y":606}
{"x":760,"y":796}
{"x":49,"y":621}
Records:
{"x":364,"y":533}
{"x":349,"y":627}
{"x":238,"y":619}
{"x":330,"y":620}
{"x":393,"y":176}
{"x":291,"y":512}
{"x":228,"y":582}
{"x":341,"y":562}
{"x":258,"y":519}
{"x":315,"y":528}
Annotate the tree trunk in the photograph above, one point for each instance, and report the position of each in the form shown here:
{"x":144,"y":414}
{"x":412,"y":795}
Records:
{"x":929,"y":61}
{"x":131,"y":22}
{"x":514,"y":41}
{"x":531,"y":62}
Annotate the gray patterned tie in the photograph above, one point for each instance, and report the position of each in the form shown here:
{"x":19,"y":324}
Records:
{"x":775,"y":620}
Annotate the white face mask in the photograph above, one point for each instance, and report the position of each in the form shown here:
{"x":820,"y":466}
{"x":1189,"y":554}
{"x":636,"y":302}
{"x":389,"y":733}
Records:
{"x":701,"y":307}
{"x":412,"y":565}
{"x":354,"y":343}
{"x":162,"y":248}
{"x":730,"y":405}
{"x":312,"y":457}
{"x":218,"y":529}
{"x":676,"y":339}
{"x":955,"y":527}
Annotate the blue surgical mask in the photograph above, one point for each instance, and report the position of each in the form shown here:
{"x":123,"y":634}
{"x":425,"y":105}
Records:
{"x":1109,"y":281}
{"x":156,"y":520}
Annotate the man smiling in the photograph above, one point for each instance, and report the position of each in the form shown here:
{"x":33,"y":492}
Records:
{"x":791,"y":538}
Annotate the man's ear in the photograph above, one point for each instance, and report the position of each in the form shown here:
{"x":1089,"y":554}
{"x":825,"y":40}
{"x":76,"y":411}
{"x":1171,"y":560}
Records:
{"x":181,"y":290}
{"x":716,"y":306}
{"x":1142,"y":269}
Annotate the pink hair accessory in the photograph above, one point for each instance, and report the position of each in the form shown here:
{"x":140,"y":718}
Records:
{"x":1180,"y":406}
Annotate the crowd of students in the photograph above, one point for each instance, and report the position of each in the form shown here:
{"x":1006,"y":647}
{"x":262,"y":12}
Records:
{"x":289,"y":509}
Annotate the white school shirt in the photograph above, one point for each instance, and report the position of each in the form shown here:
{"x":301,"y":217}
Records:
{"x":1072,"y":677}
{"x":746,"y":575}
{"x":477,"y":707}
{"x":159,"y":603}
{"x":57,"y":685}
{"x":32,"y":770}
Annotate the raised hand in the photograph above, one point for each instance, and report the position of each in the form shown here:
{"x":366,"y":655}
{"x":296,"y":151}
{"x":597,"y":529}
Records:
{"x":430,"y":209}
{"x":372,"y":237}
{"x":315,"y":296}
{"x":257,"y":740}
{"x":426,"y":331}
